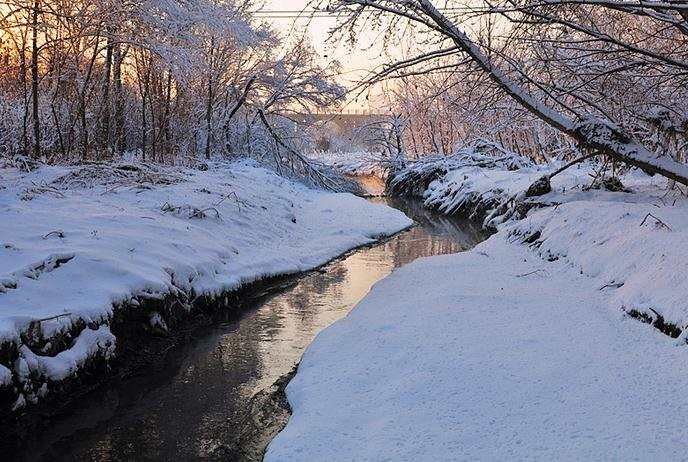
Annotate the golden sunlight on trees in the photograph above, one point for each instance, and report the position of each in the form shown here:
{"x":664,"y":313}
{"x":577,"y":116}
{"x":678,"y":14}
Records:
{"x":167,"y":81}
{"x":608,"y":76}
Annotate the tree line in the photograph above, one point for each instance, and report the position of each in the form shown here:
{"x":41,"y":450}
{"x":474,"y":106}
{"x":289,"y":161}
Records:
{"x":600,"y":77}
{"x":159,"y":80}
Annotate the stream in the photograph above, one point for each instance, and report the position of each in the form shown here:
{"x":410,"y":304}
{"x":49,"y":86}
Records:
{"x":188,"y":406}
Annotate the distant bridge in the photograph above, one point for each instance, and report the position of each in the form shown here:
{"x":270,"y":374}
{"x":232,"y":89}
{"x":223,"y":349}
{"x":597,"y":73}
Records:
{"x":344,"y":123}
{"x":337,"y":128}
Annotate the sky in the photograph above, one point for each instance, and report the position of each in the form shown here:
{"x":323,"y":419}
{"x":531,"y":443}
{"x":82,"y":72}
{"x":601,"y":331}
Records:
{"x":355,"y":62}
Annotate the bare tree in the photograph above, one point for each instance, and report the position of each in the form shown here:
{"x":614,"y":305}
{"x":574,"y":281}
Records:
{"x":162,"y":80}
{"x":518,"y":71}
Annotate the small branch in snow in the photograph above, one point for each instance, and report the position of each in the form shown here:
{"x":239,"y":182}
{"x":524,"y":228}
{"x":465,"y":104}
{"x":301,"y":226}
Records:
{"x":57,"y":316}
{"x":658,"y":221}
{"x":192,"y":212}
{"x":657,"y":315}
{"x":238,"y":201}
{"x":545,"y":273}
{"x":201,"y":213}
{"x":58,"y":232}
{"x":614,"y":285}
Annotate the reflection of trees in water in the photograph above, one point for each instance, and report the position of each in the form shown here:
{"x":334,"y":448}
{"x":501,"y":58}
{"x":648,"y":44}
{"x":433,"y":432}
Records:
{"x":204,"y":400}
{"x":286,"y":323}
{"x":437,"y":234}
{"x":316,"y":290}
{"x":181,"y":409}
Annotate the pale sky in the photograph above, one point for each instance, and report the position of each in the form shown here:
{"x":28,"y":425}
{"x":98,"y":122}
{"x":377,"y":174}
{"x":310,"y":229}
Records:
{"x":355,"y":62}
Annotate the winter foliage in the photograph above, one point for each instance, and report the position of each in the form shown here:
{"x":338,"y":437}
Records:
{"x":165,"y":81}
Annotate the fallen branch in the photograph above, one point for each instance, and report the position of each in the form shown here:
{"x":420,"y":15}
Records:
{"x":311,"y":171}
{"x":533,"y":272}
{"x":58,"y":232}
{"x":658,"y":221}
{"x":57,"y":316}
{"x":615,"y":285}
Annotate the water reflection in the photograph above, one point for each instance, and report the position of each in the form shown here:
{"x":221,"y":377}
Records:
{"x":187,"y":407}
{"x":371,"y":184}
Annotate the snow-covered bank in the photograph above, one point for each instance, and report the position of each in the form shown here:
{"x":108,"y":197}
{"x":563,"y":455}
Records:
{"x":525,"y":347}
{"x":635,"y":251}
{"x":625,"y":239}
{"x":488,"y":190}
{"x":357,"y":163}
{"x":504,"y":352}
{"x":79,"y":251}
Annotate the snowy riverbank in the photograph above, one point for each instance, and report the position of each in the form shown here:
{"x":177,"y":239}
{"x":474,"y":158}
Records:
{"x":80,"y":252}
{"x":525,"y":347}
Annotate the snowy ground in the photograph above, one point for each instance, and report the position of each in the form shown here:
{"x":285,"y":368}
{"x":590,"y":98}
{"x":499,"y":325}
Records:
{"x":73,"y":246}
{"x":518,"y":349}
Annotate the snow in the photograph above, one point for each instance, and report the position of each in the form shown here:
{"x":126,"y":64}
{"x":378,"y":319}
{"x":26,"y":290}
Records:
{"x":356,"y":163}
{"x":157,"y":321}
{"x":619,"y":244}
{"x":87,"y":345}
{"x":5,"y":376}
{"x":521,"y":348}
{"x":71,"y":249}
{"x":483,"y":188}
{"x":498,"y":353}
{"x":608,"y":137}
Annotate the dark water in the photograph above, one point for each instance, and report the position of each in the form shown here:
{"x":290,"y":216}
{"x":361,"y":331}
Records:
{"x":187,"y":407}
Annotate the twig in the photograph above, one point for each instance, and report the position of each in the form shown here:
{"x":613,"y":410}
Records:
{"x":572,"y":163}
{"x":657,"y":220}
{"x":57,"y":316}
{"x":201,"y":213}
{"x":531,"y":273}
{"x":238,"y":201}
{"x":58,"y":232}
{"x":615,"y":285}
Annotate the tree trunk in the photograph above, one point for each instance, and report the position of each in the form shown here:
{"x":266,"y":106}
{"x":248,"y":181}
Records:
{"x":167,"y":148}
{"x":104,"y":141}
{"x":209,"y":105}
{"x":36,"y":152}
{"x":118,"y":142}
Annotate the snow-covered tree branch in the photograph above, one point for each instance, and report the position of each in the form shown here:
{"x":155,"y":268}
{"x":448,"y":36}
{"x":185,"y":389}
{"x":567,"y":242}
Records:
{"x":558,"y":60}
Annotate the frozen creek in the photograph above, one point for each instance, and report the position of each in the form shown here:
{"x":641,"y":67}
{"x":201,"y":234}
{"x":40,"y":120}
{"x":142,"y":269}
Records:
{"x":190,"y":405}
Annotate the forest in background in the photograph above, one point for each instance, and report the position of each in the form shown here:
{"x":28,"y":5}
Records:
{"x":544,"y":79}
{"x":168,"y":81}
{"x":175,"y":81}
